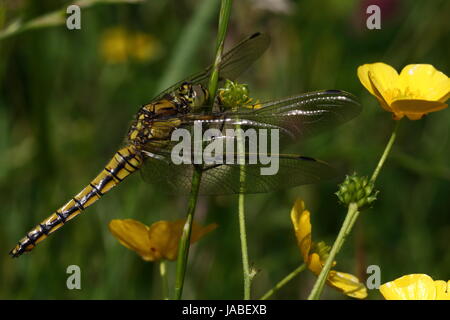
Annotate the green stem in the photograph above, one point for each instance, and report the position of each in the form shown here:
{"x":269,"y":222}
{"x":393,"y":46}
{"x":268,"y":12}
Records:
{"x":242,"y":228}
{"x":224,"y":17}
{"x":183,"y":248}
{"x":165,"y":284}
{"x":352,"y":215}
{"x":350,"y":219}
{"x":244,"y":248}
{"x":283,"y":282}
{"x":386,"y":152}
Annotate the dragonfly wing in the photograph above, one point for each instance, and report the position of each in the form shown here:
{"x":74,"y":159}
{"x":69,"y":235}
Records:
{"x":293,"y":170}
{"x":299,"y":116}
{"x":294,"y":118}
{"x":241,"y":57}
{"x":232,"y":64}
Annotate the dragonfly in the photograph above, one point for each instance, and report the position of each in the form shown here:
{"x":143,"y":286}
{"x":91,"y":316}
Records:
{"x":148,"y":143}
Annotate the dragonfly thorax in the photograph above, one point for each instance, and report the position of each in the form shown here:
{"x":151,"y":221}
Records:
{"x":156,"y":121}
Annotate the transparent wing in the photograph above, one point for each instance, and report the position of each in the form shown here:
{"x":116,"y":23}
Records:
{"x":293,"y":170}
{"x":294,"y":118}
{"x":233,"y":63}
{"x":298,"y":116}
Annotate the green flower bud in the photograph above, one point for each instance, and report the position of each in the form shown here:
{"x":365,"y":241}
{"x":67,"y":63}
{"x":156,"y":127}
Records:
{"x":358,"y":190}
{"x":234,"y":95}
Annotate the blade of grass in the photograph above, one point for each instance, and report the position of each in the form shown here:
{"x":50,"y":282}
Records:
{"x":54,"y":18}
{"x":225,"y":11}
{"x":189,"y":40}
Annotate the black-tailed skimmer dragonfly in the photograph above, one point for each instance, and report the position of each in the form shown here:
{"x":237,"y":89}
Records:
{"x":148,"y":143}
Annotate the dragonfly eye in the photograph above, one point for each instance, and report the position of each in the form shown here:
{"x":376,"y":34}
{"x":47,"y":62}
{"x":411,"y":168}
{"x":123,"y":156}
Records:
{"x":199,"y":95}
{"x":185,"y":89}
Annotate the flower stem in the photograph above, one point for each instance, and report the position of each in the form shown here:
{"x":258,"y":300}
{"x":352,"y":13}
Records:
{"x":386,"y":152}
{"x":242,"y":228}
{"x":350,"y":219}
{"x":244,"y":248}
{"x":285,"y":280}
{"x":352,"y":215}
{"x":165,"y":284}
{"x":183,"y":248}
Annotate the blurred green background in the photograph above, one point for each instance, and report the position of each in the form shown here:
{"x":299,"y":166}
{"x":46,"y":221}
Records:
{"x":67,"y":98}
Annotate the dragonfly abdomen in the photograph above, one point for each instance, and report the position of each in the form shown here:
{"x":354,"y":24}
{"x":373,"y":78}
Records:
{"x":126,"y":161}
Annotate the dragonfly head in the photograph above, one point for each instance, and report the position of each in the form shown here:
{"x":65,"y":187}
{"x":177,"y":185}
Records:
{"x":200,"y":95}
{"x":195,"y":94}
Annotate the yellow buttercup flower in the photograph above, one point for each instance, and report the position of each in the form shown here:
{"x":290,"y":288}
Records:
{"x":416,"y":287}
{"x":113,"y":45}
{"x":418,"y":89}
{"x":143,"y":47}
{"x":117,"y":45}
{"x":315,"y":254}
{"x":159,"y":241}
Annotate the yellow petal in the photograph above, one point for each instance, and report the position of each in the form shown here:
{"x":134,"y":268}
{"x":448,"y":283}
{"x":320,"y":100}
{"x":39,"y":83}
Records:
{"x":302,"y":225}
{"x":314,"y":264}
{"x":442,"y":290}
{"x":363,"y":75}
{"x":347,"y":284}
{"x":133,"y":235}
{"x":410,"y":287}
{"x":416,"y":109}
{"x":198,"y":231}
{"x":296,"y":211}
{"x":425,"y":82}
{"x":344,"y":282}
{"x":379,"y":79}
{"x":164,"y":236}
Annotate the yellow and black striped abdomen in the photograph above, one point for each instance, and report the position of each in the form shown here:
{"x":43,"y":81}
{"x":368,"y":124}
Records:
{"x":125,"y":161}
